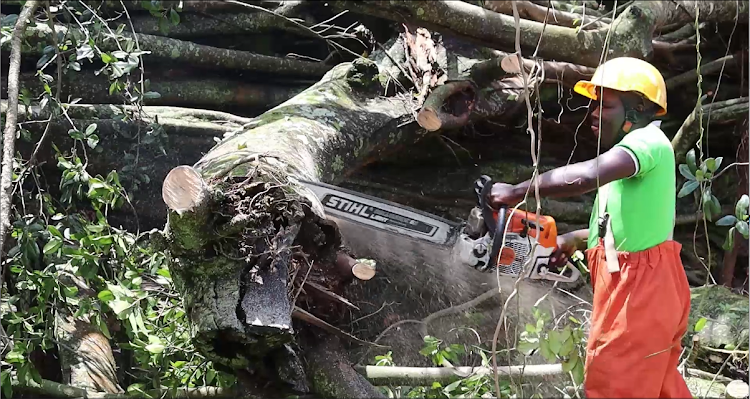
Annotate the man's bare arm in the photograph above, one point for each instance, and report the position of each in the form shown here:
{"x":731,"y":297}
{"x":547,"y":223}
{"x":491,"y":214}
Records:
{"x":581,"y":178}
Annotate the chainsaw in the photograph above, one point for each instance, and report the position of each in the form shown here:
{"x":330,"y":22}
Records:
{"x":510,"y":242}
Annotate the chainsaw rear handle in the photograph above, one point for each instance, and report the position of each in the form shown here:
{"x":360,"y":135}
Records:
{"x":495,"y":229}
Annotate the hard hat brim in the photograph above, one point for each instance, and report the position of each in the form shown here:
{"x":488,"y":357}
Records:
{"x":588,"y":89}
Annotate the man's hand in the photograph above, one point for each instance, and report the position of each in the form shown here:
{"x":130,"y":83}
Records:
{"x":566,"y":245}
{"x":502,"y":194}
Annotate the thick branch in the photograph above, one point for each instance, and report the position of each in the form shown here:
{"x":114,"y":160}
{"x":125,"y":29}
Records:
{"x":632,"y":31}
{"x":111,"y":111}
{"x":198,"y":54}
{"x":708,"y":68}
{"x":332,"y":375}
{"x":234,"y":23}
{"x":722,"y":111}
{"x":57,"y":390}
{"x":210,"y":93}
{"x":425,"y":376}
{"x":536,"y":12}
{"x":9,"y":141}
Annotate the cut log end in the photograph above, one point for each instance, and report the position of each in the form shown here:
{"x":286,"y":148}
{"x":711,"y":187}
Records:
{"x":737,"y":389}
{"x":184,"y":189}
{"x":350,"y":266}
{"x":363,"y":271}
{"x":429,"y":119}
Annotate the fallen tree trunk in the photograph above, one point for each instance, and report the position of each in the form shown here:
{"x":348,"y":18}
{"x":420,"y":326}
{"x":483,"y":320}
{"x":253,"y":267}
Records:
{"x":631,"y":35}
{"x":227,"y":23}
{"x":240,"y":295}
{"x":209,"y":93}
{"x":189,"y":52}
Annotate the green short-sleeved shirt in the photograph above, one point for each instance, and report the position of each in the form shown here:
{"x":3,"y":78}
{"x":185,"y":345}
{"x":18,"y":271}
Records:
{"x":641,"y":207}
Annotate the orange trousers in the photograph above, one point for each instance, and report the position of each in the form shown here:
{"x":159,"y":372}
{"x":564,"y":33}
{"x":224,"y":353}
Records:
{"x":639,"y":317}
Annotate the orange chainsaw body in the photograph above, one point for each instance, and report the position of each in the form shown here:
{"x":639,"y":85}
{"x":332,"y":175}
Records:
{"x":542,"y":228}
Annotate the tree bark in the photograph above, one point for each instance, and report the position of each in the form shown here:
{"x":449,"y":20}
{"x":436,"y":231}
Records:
{"x":195,"y":54}
{"x":631,"y":35}
{"x":689,"y":132}
{"x":535,"y":12}
{"x":233,"y":295}
{"x":227,"y":23}
{"x":9,"y":141}
{"x":85,"y":353}
{"x":209,"y":93}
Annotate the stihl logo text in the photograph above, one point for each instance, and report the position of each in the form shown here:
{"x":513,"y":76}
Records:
{"x":380,"y":215}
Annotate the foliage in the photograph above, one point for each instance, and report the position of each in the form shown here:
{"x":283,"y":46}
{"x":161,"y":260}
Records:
{"x":700,"y":177}
{"x":474,"y":386}
{"x":66,"y":256}
{"x":566,"y":345}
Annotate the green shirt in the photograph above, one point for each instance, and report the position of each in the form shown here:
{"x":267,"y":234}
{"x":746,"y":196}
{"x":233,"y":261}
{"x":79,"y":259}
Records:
{"x":641,"y":207}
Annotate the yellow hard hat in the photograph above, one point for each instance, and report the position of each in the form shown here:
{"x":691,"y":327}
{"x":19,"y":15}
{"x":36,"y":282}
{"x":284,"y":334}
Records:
{"x":627,"y":74}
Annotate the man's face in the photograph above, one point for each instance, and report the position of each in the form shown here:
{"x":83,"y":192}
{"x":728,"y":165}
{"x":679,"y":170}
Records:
{"x":607,"y":117}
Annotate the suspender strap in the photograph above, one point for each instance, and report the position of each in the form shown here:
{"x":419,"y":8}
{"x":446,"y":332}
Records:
{"x":605,"y":223}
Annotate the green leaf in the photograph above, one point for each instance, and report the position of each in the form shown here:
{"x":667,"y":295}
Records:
{"x":5,"y":381}
{"x":567,"y":347}
{"x":687,"y":188}
{"x":174,"y":17}
{"x":164,"y":25}
{"x":210,"y":375}
{"x":90,"y":129}
{"x":113,"y":87}
{"x":118,"y":306}
{"x":578,"y":373}
{"x":740,"y":210}
{"x":690,"y":159}
{"x":104,"y":329}
{"x":700,"y":324}
{"x":569,"y":364}
{"x":545,"y":351}
{"x":685,"y":171}
{"x":728,"y":220}
{"x":452,"y":386}
{"x":526,"y":347}
{"x":729,"y":241}
{"x":700,"y":175}
{"x":52,"y":246}
{"x":554,"y":342}
{"x":15,"y":356}
{"x":92,"y":141}
{"x":106,"y":58}
{"x":718,"y":163}
{"x":106,"y":296}
{"x":710,"y":164}
{"x":742,"y":228}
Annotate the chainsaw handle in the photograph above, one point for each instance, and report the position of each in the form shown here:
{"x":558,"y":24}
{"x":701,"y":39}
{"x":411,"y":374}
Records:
{"x":496,"y":229}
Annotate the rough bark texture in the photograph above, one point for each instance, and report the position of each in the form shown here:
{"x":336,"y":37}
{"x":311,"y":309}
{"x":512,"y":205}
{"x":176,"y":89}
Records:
{"x":333,"y":376}
{"x":689,"y":132}
{"x":85,"y":353}
{"x":319,"y":135}
{"x":632,"y":31}
{"x":196,"y":54}
{"x":208,"y":93}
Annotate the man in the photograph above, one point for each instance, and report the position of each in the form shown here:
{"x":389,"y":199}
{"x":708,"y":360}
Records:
{"x":641,"y":294}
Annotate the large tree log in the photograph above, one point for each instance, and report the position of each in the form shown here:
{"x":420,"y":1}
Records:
{"x":251,"y":180}
{"x":631,"y":35}
{"x":187,"y":52}
{"x":207,"y":93}
{"x":228,"y":23}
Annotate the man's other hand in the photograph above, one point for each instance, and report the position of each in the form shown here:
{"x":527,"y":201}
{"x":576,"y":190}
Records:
{"x":502,"y":194}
